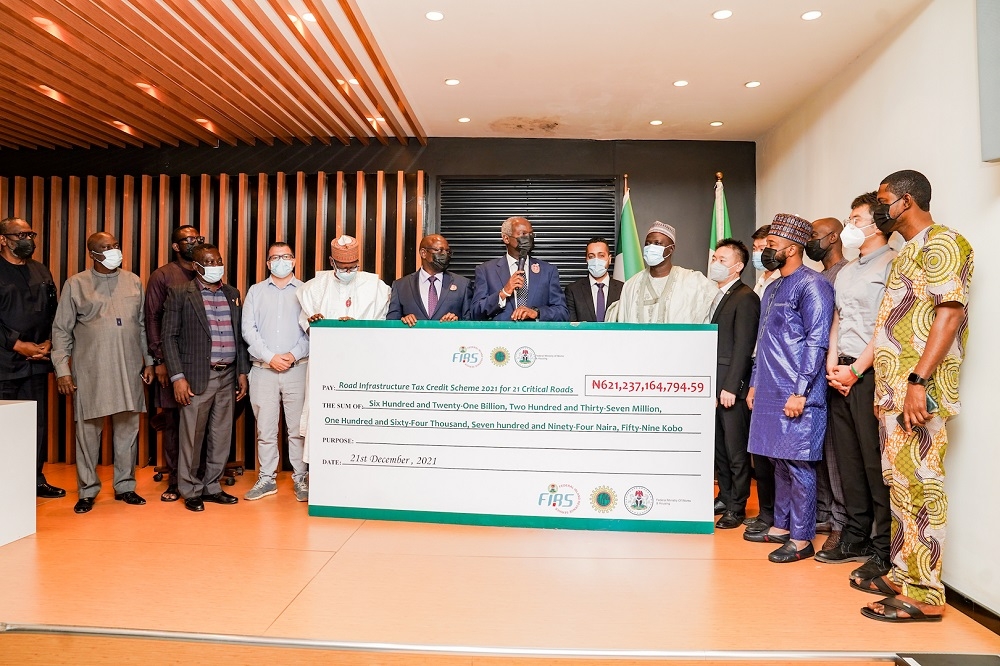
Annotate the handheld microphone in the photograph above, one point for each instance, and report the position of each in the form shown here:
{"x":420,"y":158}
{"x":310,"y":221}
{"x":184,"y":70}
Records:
{"x":522,"y":256}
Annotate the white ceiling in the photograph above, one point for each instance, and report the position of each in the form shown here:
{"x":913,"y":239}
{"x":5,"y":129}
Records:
{"x":601,"y":70}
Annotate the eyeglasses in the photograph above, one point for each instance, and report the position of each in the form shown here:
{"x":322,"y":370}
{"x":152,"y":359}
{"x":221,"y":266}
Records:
{"x":277,"y":257}
{"x":23,"y":235}
{"x":438,"y":250}
{"x":859,"y":221}
{"x":193,"y":240}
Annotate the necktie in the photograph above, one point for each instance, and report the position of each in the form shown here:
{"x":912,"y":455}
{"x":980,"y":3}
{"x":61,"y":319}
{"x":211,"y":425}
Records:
{"x":521,"y":293}
{"x":715,"y":304}
{"x":432,"y":296}
{"x":601,"y":306}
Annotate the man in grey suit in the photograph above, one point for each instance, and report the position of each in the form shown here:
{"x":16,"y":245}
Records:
{"x":589,"y":298}
{"x":432,"y":292}
{"x":208,"y":364}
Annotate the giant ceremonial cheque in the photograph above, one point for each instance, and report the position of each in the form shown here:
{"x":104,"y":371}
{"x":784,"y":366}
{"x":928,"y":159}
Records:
{"x":575,"y":426}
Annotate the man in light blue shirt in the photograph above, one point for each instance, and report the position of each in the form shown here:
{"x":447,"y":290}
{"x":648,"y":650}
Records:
{"x":279,"y":349}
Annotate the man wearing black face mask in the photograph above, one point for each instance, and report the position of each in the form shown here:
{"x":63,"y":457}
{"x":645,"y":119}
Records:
{"x":826,"y":247}
{"x":179,"y":271}
{"x":27,"y":308}
{"x":432,"y":292}
{"x":518,"y":287}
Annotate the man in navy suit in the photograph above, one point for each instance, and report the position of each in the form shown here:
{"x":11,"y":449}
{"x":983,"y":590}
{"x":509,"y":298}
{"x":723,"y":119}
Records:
{"x":518,"y":287}
{"x":432,"y":292}
{"x":588,"y":298}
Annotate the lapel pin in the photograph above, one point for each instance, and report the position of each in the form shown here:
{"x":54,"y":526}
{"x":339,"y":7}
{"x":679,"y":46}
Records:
{"x":452,"y":288}
{"x":535,"y":268}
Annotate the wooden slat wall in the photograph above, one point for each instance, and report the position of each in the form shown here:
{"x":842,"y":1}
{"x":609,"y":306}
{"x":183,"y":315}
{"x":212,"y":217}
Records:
{"x":241,"y":216}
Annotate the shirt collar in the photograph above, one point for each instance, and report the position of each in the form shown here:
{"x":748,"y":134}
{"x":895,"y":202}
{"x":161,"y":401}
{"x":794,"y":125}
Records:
{"x":726,"y":287}
{"x":203,"y":286}
{"x":424,"y":275}
{"x":594,"y":282}
{"x":295,"y":282}
{"x":865,"y":258}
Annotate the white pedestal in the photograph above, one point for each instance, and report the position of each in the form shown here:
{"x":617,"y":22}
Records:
{"x":17,"y":470}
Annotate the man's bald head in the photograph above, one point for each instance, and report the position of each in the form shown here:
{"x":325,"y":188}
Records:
{"x":13,"y":225}
{"x":826,"y":226}
{"x":433,"y":241}
{"x":101,"y":241}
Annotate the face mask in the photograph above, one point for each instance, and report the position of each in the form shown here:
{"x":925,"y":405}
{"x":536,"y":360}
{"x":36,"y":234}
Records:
{"x":345,"y":276}
{"x":653,"y":255}
{"x":23,"y":249}
{"x":597,"y":267}
{"x":212,"y":274}
{"x":187,"y":251}
{"x":718,"y":272}
{"x":883,"y":220}
{"x":440,"y":261}
{"x":815,"y":249}
{"x":852,"y":237}
{"x":112,"y":259}
{"x":525,"y":243}
{"x":756,"y":261}
{"x":281,"y":268}
{"x":770,"y":259}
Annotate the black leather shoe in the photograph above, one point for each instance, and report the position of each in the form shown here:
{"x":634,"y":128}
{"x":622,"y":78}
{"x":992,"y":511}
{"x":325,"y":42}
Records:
{"x":84,"y":504}
{"x":875,"y":567}
{"x":757,"y":525}
{"x":720,"y":507}
{"x":43,"y":489}
{"x":221,"y":497}
{"x":730,"y":520}
{"x":129,"y":497}
{"x":765,"y":537}
{"x":194,"y":504}
{"x":844,"y":552}
{"x":824,"y":527}
{"x":789,"y":553}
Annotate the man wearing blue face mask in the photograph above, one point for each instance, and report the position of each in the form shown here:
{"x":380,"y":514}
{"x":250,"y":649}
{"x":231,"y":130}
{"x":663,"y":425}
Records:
{"x":100,"y":359}
{"x":279,"y":349}
{"x":766,"y":276}
{"x":589,"y":298}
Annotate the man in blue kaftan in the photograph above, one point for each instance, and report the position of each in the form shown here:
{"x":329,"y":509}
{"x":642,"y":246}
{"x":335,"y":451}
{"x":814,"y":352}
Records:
{"x":788,"y":386}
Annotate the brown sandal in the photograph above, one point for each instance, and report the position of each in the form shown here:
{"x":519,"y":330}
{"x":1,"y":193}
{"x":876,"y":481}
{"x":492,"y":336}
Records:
{"x":171,"y":494}
{"x":877,"y":585}
{"x":890,"y":612}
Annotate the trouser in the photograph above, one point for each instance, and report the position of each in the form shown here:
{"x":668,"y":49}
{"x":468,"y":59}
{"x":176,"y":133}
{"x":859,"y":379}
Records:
{"x":763,"y":471}
{"x":829,"y":486}
{"x":732,"y":462}
{"x":269,"y":392}
{"x":795,"y":497}
{"x":33,"y":387}
{"x":211,"y":413}
{"x":125,"y":429}
{"x":913,"y":466}
{"x":856,"y":441}
{"x":170,"y":433}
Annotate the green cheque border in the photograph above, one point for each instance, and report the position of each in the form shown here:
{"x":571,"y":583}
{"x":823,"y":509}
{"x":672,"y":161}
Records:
{"x":522,"y":326}
{"x":497,"y":520}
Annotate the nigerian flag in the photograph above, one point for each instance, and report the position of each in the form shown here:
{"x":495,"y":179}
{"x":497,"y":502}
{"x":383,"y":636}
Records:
{"x":629,"y":259}
{"x":720,"y":219}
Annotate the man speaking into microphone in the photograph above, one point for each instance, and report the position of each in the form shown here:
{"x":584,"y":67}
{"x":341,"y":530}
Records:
{"x":517,"y":286}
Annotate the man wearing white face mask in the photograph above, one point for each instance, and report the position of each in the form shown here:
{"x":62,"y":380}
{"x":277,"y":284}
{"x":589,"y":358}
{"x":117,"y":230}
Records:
{"x":345,"y":292}
{"x":589,"y":298}
{"x":278,"y":349}
{"x":664,"y":293}
{"x":100,"y":359}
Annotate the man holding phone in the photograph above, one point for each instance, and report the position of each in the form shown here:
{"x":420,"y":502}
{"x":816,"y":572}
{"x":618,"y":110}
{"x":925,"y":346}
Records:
{"x":920,"y":338}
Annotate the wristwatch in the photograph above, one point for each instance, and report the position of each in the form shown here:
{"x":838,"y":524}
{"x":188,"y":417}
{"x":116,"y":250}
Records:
{"x":157,"y":361}
{"x":914,"y":378}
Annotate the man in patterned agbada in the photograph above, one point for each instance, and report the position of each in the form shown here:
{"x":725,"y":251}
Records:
{"x":920,"y":338}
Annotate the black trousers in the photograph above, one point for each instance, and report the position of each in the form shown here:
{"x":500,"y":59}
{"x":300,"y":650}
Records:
{"x":859,"y":455}
{"x":763,"y":472}
{"x":34,"y":387}
{"x":732,"y":462}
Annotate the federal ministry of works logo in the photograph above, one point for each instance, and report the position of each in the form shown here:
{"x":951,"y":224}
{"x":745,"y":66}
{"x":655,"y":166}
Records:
{"x":470,"y":357}
{"x":525,"y":357}
{"x":562,"y":497}
{"x":500,"y":356}
{"x":638,"y":500}
{"x":603,"y":499}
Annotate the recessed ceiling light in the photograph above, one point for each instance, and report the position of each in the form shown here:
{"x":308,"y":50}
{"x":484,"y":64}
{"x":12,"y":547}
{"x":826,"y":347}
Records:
{"x":143,"y":86}
{"x":45,"y":89}
{"x":309,"y":17}
{"x":118,"y":123}
{"x":655,"y":122}
{"x":716,"y":123}
{"x":203,"y":121}
{"x":353,"y":82}
{"x":434,"y":16}
{"x":681,"y":83}
{"x":752,"y":84}
{"x":42,"y":21}
{"x":293,"y":18}
{"x":811,"y":16}
{"x":451,"y":82}
{"x":464,"y":120}
{"x":722,"y":14}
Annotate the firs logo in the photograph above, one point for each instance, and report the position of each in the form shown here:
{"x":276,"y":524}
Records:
{"x":468,"y":356}
{"x":564,"y":498}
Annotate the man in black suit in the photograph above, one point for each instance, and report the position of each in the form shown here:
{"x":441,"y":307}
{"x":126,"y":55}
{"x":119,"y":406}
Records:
{"x":736,"y":311}
{"x":589,"y":298}
{"x":208,"y":364}
{"x":432,"y":292}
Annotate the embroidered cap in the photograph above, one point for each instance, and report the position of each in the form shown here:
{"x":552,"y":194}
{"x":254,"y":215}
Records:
{"x":791,"y":227}
{"x":345,"y":249}
{"x":665,"y":229}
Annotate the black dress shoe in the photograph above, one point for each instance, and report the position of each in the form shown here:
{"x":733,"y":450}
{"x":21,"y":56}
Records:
{"x":194,"y":504}
{"x":129,"y":497}
{"x":757,"y":525}
{"x":221,"y":497}
{"x":875,"y":567}
{"x":730,"y":520}
{"x":765,"y":537}
{"x":84,"y":504}
{"x":789,"y":553}
{"x":43,"y":489}
{"x":720,"y":507}
{"x":845,"y":552}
